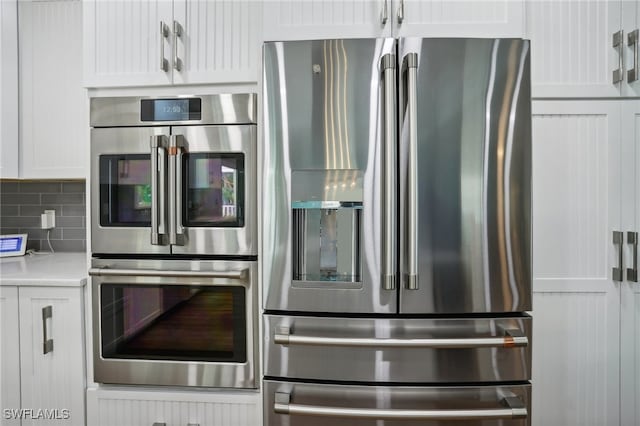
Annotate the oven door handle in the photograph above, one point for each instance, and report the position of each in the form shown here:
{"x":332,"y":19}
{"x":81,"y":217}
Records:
{"x":176,"y":151}
{"x":158,"y":189}
{"x":514,"y":408}
{"x":511,"y":339}
{"x":108,"y":272}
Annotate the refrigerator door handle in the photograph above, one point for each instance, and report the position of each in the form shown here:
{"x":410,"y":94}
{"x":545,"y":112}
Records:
{"x":511,"y":339}
{"x":158,"y":189}
{"x":514,"y":408}
{"x":389,"y":198}
{"x":410,"y":64}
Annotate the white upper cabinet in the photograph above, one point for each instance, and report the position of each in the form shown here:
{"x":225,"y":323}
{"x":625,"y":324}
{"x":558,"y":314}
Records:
{"x":311,"y":20}
{"x":162,"y":42}
{"x":219,"y":41}
{"x":9,"y":89}
{"x":459,"y":18}
{"x":630,"y":86}
{"x":53,"y":103}
{"x":304,"y":20}
{"x":572,"y":48}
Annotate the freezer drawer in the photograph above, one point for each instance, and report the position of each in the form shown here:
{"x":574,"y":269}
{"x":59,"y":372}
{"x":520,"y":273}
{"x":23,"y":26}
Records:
{"x":305,"y":404}
{"x":398,"y":350}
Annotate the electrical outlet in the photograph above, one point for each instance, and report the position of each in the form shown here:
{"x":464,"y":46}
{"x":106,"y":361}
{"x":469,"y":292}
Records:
{"x":48,"y":219}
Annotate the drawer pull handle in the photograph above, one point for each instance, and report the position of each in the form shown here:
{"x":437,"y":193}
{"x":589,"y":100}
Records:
{"x":511,"y":339}
{"x":514,"y":409}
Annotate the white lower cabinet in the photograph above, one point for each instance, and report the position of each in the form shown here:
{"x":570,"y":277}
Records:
{"x":42,"y":356}
{"x":109,"y":407}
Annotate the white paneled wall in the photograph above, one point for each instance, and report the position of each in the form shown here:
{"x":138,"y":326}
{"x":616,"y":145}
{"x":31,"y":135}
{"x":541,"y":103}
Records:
{"x":571,"y":47}
{"x":127,"y":408}
{"x":53,"y":107}
{"x":576,"y":305}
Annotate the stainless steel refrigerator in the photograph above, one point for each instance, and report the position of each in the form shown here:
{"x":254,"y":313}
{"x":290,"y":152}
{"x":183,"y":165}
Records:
{"x":397,"y":232}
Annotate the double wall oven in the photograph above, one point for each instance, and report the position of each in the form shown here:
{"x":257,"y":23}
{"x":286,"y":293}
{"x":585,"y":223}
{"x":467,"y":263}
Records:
{"x":174,"y":240}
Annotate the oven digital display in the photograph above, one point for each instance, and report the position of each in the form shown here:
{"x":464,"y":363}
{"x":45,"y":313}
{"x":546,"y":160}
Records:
{"x":180,"y":109}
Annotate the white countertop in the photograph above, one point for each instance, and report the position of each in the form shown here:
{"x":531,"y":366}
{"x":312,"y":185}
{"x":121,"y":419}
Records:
{"x":51,"y":269}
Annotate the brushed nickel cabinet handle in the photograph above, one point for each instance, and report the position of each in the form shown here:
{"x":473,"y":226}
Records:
{"x":47,"y":344}
{"x":618,"y":41}
{"x":632,"y":40}
{"x":618,"y":239}
{"x":401,"y":12}
{"x":389,"y":196}
{"x":177,"y":33}
{"x":632,"y":273}
{"x":514,"y":409}
{"x":384,"y":15}
{"x":164,"y":33}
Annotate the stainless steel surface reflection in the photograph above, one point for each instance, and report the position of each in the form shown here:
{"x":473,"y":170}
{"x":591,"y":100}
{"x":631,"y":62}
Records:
{"x":473,"y":177}
{"x":323,"y":127}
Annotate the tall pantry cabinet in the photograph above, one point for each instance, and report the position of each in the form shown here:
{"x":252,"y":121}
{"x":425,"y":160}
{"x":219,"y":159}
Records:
{"x":586,"y":365}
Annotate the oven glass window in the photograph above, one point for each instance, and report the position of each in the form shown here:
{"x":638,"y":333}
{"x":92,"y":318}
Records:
{"x":125,"y":190}
{"x":214,"y":190}
{"x":173,"y":322}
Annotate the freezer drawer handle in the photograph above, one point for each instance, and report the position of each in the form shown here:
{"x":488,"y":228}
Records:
{"x":512,"y":339}
{"x":514,"y":409}
{"x":107,"y":272}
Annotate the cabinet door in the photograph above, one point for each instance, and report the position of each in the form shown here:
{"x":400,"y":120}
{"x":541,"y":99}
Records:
{"x":323,"y":19}
{"x":55,"y":379}
{"x":124,"y":44}
{"x":571,"y":47}
{"x":576,"y":199}
{"x":219,"y":42}
{"x":53,"y":123}
{"x":630,"y":289}
{"x":9,"y":89}
{"x":631,"y":24}
{"x":9,"y":354}
{"x":459,"y":18}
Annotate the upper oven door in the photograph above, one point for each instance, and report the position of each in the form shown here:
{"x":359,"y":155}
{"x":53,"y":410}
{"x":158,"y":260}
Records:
{"x":212,"y":190}
{"x":128,"y":197}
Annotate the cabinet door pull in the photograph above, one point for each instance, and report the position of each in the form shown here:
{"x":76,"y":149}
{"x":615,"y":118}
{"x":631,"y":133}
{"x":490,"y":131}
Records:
{"x":164,"y":33}
{"x":618,"y":74}
{"x":618,"y":239}
{"x":177,"y":33}
{"x":401,"y":12}
{"x":384,"y":14}
{"x":632,"y":40}
{"x":632,"y":238}
{"x":47,"y":344}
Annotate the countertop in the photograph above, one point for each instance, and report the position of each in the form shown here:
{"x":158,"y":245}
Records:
{"x":50,"y":269}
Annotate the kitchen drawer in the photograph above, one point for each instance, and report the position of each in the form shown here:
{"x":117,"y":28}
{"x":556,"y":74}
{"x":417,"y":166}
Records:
{"x":398,"y":350}
{"x":306,"y":404}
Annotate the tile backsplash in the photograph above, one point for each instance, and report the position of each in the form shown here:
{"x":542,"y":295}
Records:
{"x":22,"y":202}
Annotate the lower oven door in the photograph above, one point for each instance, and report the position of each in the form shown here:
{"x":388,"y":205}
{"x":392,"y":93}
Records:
{"x":178,"y":323}
{"x":306,"y":404}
